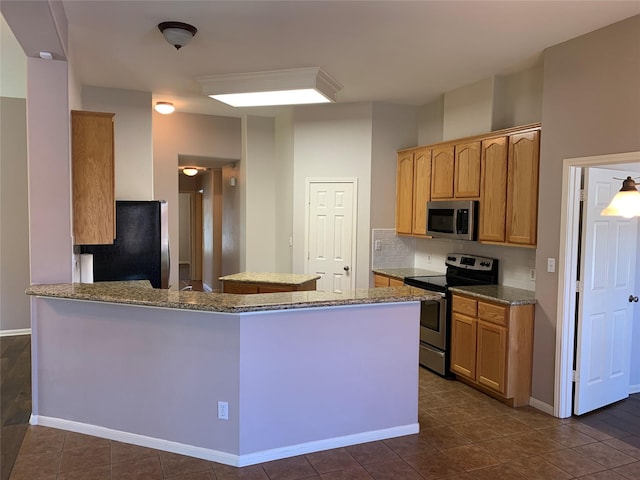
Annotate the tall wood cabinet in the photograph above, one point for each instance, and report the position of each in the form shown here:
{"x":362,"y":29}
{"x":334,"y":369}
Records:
{"x":413,"y":187}
{"x":499,"y":168}
{"x":492,"y":347}
{"x":93,"y":177}
{"x":509,"y":189}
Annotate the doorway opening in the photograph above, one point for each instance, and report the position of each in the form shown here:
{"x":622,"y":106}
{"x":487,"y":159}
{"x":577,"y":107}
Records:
{"x":568,"y":268}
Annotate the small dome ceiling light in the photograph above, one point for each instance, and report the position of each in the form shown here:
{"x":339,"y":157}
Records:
{"x":164,"y":108}
{"x":177,"y":34}
{"x":190,"y":171}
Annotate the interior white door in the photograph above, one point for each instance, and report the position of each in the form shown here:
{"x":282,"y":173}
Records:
{"x":331,"y":235}
{"x":605,"y":314}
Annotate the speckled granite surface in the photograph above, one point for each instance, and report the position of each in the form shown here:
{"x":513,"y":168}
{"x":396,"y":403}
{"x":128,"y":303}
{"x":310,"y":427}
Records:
{"x":498,"y":294}
{"x":400,"y":273}
{"x":137,"y":294}
{"x":275,"y":278}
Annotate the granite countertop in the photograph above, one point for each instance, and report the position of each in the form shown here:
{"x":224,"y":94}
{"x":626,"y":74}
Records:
{"x":273,"y":278}
{"x":498,"y":294}
{"x":141,"y":293}
{"x":401,"y":273}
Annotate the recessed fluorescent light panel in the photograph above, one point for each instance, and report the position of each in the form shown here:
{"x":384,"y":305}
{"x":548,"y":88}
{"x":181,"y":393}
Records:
{"x":281,"y":87}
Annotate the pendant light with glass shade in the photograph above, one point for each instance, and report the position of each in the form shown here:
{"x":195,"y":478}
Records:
{"x":626,"y":203}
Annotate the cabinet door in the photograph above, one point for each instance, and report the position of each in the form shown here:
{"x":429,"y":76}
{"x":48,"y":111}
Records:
{"x":394,"y":282}
{"x":92,"y":165}
{"x":467,"y":170}
{"x":492,"y":355}
{"x":230,"y":286}
{"x":442,"y":173}
{"x":522,"y":188}
{"x":421,"y":189}
{"x":404,"y":193}
{"x":463,"y":345}
{"x":380,"y":280}
{"x":493,"y":190}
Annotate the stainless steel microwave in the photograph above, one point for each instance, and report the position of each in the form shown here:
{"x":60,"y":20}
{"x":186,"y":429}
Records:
{"x":453,"y":219}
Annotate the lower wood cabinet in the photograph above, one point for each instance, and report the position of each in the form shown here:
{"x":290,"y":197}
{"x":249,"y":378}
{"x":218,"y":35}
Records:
{"x":492,"y":347}
{"x":245,"y":288}
{"x":380,"y":280}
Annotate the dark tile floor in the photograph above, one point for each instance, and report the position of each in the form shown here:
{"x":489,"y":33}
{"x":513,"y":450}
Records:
{"x":464,"y":435}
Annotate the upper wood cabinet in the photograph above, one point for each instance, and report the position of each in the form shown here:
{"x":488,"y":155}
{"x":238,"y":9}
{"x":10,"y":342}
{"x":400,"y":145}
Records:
{"x":466,"y":182}
{"x":493,"y":190}
{"x":93,"y":178}
{"x":404,"y":193}
{"x":522,"y":188}
{"x":442,"y":171}
{"x":499,"y":168}
{"x":413,"y":187}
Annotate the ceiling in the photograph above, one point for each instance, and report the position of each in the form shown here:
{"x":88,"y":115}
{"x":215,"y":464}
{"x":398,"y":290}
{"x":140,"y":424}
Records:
{"x":388,"y":51}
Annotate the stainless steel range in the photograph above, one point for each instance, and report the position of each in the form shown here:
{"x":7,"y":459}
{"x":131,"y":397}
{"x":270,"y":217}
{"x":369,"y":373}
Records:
{"x":435,"y":316}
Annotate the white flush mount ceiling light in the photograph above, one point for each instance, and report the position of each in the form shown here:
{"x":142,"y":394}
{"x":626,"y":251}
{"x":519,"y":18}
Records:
{"x":625,"y":203}
{"x":190,"y":171}
{"x":279,"y":87}
{"x":177,"y":34}
{"x":164,"y":108}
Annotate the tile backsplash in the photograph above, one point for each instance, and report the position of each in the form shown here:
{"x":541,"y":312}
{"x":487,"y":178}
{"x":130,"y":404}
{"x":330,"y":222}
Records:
{"x":516,"y":264}
{"x":392,"y":251}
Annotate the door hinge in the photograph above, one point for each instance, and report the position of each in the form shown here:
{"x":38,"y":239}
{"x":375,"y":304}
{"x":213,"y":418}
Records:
{"x":574,"y":376}
{"x":581,"y":195}
{"x":578,"y":286}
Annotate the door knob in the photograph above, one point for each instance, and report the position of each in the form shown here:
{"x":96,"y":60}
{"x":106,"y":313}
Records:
{"x":346,"y":269}
{"x":633,"y":299}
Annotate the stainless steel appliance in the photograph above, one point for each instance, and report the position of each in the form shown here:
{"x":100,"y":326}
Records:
{"x":435,"y":316}
{"x":141,"y":247}
{"x":453,"y":219}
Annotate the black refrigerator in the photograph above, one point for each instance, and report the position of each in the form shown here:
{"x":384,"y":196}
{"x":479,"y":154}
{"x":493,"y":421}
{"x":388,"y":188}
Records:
{"x":141,"y":247}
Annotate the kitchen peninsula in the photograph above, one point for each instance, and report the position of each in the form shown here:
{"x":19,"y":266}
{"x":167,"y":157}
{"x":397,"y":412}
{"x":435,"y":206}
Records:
{"x":293,"y":372}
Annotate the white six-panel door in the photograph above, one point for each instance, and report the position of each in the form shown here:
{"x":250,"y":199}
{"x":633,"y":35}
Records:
{"x":605,"y":315}
{"x":331,"y":234}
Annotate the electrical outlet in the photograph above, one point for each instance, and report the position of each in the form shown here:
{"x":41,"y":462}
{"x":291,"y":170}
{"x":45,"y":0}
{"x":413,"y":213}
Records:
{"x":378,"y":245}
{"x":428,"y":258}
{"x":551,"y":265}
{"x":223,"y":410}
{"x":532,"y":274}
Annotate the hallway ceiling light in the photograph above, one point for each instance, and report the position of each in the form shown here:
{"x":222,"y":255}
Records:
{"x":626,"y":203}
{"x":190,"y":171}
{"x":177,"y":34}
{"x":278,"y":87}
{"x":164,"y":108}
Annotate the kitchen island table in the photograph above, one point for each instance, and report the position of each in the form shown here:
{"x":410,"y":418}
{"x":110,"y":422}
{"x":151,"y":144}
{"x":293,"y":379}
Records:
{"x":292,"y":372}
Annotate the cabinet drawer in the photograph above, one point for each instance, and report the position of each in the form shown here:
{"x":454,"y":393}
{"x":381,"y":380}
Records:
{"x":492,"y":313}
{"x":464,"y":305}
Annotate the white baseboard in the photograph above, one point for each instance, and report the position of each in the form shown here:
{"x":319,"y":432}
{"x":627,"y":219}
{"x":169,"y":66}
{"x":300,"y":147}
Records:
{"x":634,"y":389}
{"x":13,"y":333}
{"x":540,"y":405}
{"x":218,"y":456}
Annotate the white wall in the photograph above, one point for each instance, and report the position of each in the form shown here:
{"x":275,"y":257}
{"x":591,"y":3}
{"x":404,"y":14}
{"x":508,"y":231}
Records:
{"x":333,"y":141}
{"x":133,"y":137}
{"x":468,"y":110}
{"x":591,"y":106}
{"x":284,"y":191}
{"x":430,"y":122}
{"x":191,"y":135}
{"x":518,"y":98}
{"x":14,"y":216}
{"x":259,"y":186}
{"x":13,"y":64}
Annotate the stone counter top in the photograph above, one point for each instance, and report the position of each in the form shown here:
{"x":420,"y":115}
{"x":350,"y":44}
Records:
{"x":498,"y":294}
{"x":140,"y":293}
{"x":273,"y":278}
{"x":401,"y":273}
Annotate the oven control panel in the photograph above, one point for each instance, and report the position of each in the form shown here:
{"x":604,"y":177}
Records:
{"x":470,"y":262}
